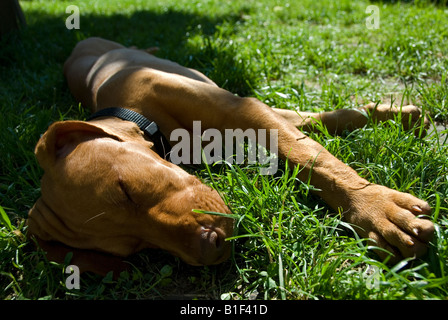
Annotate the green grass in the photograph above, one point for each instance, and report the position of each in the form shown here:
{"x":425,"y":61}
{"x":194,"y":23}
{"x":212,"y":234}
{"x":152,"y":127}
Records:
{"x":318,"y":55}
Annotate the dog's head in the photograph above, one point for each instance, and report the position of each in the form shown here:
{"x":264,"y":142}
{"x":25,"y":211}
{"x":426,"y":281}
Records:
{"x":106,"y":190}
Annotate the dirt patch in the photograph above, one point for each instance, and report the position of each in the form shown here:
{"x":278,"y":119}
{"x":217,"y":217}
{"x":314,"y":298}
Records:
{"x":442,"y":131}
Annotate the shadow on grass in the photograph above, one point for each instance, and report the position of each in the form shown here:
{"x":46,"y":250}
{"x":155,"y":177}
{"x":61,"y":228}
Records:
{"x":47,"y":40}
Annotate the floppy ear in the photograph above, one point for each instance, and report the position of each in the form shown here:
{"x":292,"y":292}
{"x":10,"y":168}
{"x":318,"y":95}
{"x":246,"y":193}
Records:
{"x":62,"y":138}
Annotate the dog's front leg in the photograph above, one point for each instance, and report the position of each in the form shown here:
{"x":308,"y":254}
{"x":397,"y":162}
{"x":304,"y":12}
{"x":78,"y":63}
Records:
{"x":386,"y":216}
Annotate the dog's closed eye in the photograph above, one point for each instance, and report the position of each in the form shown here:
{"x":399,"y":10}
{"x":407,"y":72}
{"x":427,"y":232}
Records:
{"x":125,"y":190}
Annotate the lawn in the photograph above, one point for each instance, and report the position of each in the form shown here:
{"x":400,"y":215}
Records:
{"x":316,"y":55}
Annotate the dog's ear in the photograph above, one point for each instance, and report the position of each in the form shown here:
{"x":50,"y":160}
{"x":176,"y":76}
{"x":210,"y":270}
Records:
{"x":62,"y":137}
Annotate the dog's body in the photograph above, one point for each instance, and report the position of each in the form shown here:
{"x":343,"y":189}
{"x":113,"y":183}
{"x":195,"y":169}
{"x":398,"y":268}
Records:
{"x":105,"y":189}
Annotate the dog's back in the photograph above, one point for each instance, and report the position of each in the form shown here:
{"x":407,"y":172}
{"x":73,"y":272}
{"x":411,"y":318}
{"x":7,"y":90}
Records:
{"x":94,"y":60}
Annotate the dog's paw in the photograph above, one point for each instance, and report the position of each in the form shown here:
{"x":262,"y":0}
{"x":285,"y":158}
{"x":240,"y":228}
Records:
{"x":392,"y":220}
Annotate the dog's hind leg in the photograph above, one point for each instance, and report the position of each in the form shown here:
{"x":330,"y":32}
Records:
{"x":334,"y":121}
{"x":350,"y":119}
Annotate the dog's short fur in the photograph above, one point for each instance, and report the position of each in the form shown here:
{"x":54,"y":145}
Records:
{"x":106,"y":190}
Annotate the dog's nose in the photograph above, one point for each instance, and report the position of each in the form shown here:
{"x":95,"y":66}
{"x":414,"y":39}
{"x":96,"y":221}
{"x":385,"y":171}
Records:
{"x":214,"y":247}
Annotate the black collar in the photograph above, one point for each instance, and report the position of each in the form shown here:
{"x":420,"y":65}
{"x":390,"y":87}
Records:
{"x":149,"y":127}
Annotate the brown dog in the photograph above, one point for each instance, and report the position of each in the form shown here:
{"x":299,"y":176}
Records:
{"x":106,"y":189}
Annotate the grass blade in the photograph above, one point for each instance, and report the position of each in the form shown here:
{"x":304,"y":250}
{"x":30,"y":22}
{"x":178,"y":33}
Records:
{"x":4,"y":219}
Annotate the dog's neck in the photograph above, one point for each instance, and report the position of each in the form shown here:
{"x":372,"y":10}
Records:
{"x":126,"y":130}
{"x":148,"y":127}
